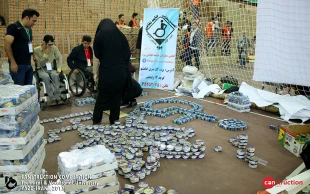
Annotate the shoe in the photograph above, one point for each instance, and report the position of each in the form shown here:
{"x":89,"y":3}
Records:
{"x":53,"y":102}
{"x":123,"y":103}
{"x":132,"y":104}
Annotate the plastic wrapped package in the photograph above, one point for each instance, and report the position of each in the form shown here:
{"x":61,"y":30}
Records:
{"x":15,"y":122}
{"x":239,"y":102}
{"x":16,"y":146}
{"x":4,"y":78}
{"x":84,"y":159}
{"x":26,"y":160}
{"x":19,"y":132}
{"x":238,"y":98}
{"x":14,"y":95}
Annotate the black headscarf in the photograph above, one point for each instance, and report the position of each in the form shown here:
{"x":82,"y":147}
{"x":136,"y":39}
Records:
{"x":110,"y":45}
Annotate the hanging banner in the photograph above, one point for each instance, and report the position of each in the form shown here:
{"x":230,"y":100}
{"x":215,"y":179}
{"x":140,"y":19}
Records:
{"x":158,"y":49}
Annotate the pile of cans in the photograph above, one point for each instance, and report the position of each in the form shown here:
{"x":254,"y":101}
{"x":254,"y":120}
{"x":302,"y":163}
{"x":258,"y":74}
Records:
{"x":187,"y":114}
{"x":129,"y":142}
{"x":68,"y":116}
{"x":143,"y":187}
{"x":85,"y":101}
{"x":232,"y":124}
{"x":245,"y":152}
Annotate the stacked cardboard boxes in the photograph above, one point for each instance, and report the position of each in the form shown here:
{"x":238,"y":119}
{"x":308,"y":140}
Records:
{"x":21,"y":139}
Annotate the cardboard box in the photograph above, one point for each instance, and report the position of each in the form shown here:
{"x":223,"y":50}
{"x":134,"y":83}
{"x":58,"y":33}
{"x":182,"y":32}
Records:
{"x":25,"y":168}
{"x":292,"y":137}
{"x":35,"y":169}
{"x":95,"y":170}
{"x":21,"y":154}
{"x":90,"y":183}
{"x":22,"y":140}
{"x":18,"y":109}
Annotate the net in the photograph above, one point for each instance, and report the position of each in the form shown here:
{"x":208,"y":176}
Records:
{"x":228,"y":45}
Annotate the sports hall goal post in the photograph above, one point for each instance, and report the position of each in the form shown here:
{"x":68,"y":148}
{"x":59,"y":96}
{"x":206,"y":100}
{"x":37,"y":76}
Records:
{"x":276,"y":61}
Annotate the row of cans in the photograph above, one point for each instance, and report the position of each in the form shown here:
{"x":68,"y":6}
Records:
{"x":85,"y":101}
{"x":68,"y":116}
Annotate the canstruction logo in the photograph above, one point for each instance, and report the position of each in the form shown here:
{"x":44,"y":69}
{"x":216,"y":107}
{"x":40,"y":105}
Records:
{"x":269,"y":182}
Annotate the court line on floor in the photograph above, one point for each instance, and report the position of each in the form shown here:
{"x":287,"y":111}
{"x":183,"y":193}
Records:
{"x":225,"y":105}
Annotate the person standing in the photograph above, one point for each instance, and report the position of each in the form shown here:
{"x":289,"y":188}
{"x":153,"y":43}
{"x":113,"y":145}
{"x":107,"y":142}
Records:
{"x":211,"y":38}
{"x":195,"y":44}
{"x":121,"y":21}
{"x":45,"y":56}
{"x":226,"y":37}
{"x":114,"y":80}
{"x":186,"y":40}
{"x":18,"y":47}
{"x":133,"y":22}
{"x":243,"y":44}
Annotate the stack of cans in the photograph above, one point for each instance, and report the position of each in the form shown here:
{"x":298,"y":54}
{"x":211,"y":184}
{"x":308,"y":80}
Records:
{"x":232,"y":124}
{"x":250,"y":152}
{"x":253,"y":161}
{"x":241,"y":153}
{"x":243,"y":141}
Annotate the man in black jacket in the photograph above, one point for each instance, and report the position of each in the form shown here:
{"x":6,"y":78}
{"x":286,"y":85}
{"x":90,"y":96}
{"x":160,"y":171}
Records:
{"x":81,"y":57}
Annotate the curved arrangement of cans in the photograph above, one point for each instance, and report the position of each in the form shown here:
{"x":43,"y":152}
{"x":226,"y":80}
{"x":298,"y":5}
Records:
{"x":187,"y":114}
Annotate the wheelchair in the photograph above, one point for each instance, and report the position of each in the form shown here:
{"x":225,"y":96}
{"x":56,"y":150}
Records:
{"x":64,"y":88}
{"x":79,"y":82}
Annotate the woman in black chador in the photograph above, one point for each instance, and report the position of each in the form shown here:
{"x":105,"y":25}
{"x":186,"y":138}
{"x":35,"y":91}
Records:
{"x":112,"y":49}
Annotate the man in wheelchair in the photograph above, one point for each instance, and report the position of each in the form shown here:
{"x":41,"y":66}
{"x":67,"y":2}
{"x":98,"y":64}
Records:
{"x":45,"y":56}
{"x":81,"y":58}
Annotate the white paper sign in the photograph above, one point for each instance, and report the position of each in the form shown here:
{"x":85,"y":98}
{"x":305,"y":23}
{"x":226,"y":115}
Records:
{"x":88,"y":63}
{"x":49,"y":66}
{"x":30,"y":47}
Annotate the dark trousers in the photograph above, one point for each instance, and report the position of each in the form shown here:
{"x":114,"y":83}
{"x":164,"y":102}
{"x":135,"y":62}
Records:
{"x":188,"y":58}
{"x":226,"y":47}
{"x":108,"y":101}
{"x":196,"y":54}
{"x":23,"y":76}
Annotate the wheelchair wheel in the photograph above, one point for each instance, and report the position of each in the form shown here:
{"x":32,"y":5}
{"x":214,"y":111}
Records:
{"x":77,"y":83}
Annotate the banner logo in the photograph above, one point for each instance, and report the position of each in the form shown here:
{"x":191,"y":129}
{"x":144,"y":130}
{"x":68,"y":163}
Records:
{"x":160,"y":30}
